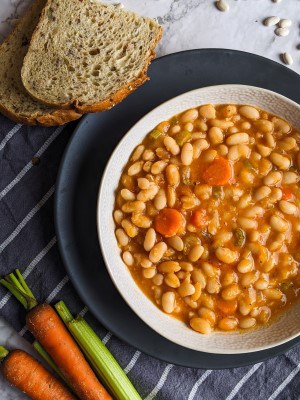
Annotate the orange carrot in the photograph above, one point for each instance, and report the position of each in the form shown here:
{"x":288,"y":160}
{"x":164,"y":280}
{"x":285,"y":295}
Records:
{"x":49,"y":330}
{"x":51,"y":333}
{"x":226,"y":307}
{"x":199,"y":218}
{"x":218,"y":173}
{"x":287,"y":194}
{"x":28,"y":375}
{"x":168,"y":222}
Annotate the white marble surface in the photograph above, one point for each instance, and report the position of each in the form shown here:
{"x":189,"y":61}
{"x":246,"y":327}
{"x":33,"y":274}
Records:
{"x":188,"y":24}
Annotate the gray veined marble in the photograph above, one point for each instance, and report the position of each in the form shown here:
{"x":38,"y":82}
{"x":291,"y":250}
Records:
{"x":188,"y":24}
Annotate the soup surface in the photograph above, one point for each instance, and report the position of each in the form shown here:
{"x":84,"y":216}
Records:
{"x":207,"y":215}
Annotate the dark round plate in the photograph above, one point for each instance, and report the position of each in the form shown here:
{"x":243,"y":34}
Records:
{"x":84,"y":160}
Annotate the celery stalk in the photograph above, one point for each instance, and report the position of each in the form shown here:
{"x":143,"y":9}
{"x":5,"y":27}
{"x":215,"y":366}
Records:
{"x":103,"y":362}
{"x":3,"y":353}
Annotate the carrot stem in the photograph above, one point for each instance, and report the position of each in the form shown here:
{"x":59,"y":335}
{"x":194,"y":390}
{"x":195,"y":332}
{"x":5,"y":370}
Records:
{"x":24,"y":284}
{"x":102,"y":361}
{"x":14,"y":292}
{"x":3,"y":353}
{"x":18,"y":287}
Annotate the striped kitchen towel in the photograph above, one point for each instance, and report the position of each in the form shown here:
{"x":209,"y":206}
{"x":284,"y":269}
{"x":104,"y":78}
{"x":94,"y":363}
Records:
{"x":29,"y":161}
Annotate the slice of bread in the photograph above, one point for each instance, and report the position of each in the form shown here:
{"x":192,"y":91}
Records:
{"x":88,"y":55}
{"x":15,"y":102}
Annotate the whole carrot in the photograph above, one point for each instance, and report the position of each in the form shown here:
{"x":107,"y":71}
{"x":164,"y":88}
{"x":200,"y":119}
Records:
{"x":24,"y":372}
{"x":46,"y":326}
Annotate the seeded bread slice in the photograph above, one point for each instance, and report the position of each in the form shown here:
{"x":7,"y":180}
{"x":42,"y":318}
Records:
{"x":15,"y":102}
{"x":88,"y":55}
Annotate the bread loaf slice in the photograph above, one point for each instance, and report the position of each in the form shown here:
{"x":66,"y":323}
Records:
{"x":88,"y":55}
{"x":15,"y":102}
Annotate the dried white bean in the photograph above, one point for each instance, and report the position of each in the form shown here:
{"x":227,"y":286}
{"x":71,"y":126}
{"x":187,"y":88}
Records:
{"x":272,"y":178}
{"x":287,"y":58}
{"x":201,"y":325}
{"x":186,"y":289}
{"x":215,"y":135}
{"x":149,"y":273}
{"x":133,"y":206}
{"x":207,"y":111}
{"x":290,"y":177}
{"x":285,"y":23}
{"x":175,"y":242}
{"x":127,"y":194}
{"x":158,"y":167}
{"x":245,"y":266}
{"x":118,"y":216}
{"x":222,"y":5}
{"x":282,"y":31}
{"x":189,"y":116}
{"x":246,"y":323}
{"x":138,"y":152}
{"x":270,"y":21}
{"x":261,"y":193}
{"x":148,"y":194}
{"x":196,"y":252}
{"x":247,"y":223}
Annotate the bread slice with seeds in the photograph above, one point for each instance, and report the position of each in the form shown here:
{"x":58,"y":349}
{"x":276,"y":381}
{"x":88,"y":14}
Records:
{"x":15,"y":102}
{"x":88,"y":55}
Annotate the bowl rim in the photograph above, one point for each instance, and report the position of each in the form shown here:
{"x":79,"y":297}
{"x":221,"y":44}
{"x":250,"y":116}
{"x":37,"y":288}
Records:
{"x":106,"y":170}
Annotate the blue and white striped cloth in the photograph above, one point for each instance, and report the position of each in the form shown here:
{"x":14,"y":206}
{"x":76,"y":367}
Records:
{"x":27,"y":241}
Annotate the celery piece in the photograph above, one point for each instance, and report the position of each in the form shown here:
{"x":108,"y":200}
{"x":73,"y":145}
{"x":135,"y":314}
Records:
{"x":102,"y":361}
{"x":182,"y":137}
{"x":155,"y":134}
{"x":217,"y":192}
{"x":239,"y":237}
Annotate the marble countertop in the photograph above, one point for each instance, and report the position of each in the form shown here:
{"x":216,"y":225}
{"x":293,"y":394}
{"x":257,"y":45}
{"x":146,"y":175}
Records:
{"x":188,"y":24}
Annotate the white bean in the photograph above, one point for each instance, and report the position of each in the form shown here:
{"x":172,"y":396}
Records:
{"x":290,"y":177}
{"x":150,"y":239}
{"x":127,"y":194}
{"x":157,"y":252}
{"x":172,"y":175}
{"x":171,"y":145}
{"x":264,"y":151}
{"x":160,"y":200}
{"x":118,"y":216}
{"x":231,"y":292}
{"x":135,"y":168}
{"x":247,"y":223}
{"x":261,"y":193}
{"x":149,"y":273}
{"x":122,"y":237}
{"x":143,"y":183}
{"x":237,"y":138}
{"x":137,"y":152}
{"x":158,"y":167}
{"x":186,"y":289}
{"x":226,"y":255}
{"x":168,"y":302}
{"x":196,"y":252}
{"x":148,"y":194}
{"x":207,"y":111}
{"x":288,"y":208}
{"x":249,"y":112}
{"x":127,"y":258}
{"x":280,"y":161}
{"x":245,"y":266}
{"x":201,"y":325}
{"x":247,"y":322}
{"x":187,"y":154}
{"x":272,"y":178}
{"x":278,"y":224}
{"x":133,"y":206}
{"x":189,"y":116}
{"x":176,"y":242}
{"x":215,"y":135}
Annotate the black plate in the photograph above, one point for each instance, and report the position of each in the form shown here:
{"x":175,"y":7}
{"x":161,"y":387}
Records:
{"x":85,"y":158}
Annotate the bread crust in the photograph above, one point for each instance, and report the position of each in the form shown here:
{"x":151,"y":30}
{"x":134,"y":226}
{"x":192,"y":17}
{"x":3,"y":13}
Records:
{"x":53,"y":117}
{"x":114,"y":99}
{"x":57,"y":117}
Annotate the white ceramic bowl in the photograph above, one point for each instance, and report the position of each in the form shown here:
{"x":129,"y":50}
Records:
{"x":284,"y":328}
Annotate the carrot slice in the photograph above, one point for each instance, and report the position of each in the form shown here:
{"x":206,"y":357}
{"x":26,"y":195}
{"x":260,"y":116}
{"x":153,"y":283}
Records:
{"x":227,"y":307}
{"x":199,"y":218}
{"x":168,"y":222}
{"x":218,"y":173}
{"x":287,"y":194}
